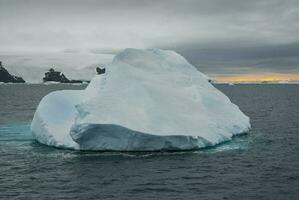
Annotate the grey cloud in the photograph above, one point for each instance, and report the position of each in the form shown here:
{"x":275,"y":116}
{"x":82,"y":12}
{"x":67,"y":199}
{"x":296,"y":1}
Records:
{"x":269,"y":58}
{"x":105,"y":51}
{"x":216,"y":35}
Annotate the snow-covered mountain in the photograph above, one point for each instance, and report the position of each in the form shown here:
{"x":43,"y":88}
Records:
{"x":32,"y":66}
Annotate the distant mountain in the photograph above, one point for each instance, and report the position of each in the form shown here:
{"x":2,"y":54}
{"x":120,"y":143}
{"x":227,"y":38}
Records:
{"x":33,"y":66}
{"x":56,"y":76}
{"x":6,"y":77}
{"x":261,"y":82}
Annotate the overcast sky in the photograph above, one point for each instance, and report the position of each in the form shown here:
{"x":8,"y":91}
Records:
{"x":218,"y":36}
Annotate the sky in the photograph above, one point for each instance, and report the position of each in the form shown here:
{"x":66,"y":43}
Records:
{"x":226,"y":39}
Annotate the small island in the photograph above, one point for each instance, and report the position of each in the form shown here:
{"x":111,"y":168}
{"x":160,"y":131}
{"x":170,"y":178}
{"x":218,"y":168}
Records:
{"x":100,"y":70}
{"x":6,"y":77}
{"x":56,"y":76}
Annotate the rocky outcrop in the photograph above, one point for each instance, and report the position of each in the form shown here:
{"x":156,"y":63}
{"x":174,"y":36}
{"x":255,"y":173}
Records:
{"x":6,"y":77}
{"x":100,"y":70}
{"x":57,"y":76}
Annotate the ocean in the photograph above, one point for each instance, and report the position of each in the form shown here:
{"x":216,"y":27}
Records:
{"x":262,"y":164}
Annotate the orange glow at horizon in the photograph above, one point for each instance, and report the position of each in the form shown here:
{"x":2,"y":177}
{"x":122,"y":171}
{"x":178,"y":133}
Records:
{"x":256,"y":77}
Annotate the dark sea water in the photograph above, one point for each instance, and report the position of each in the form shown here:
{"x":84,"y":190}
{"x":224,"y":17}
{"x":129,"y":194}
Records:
{"x":264,"y":164}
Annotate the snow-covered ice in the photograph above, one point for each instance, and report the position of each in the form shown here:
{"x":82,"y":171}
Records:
{"x":147,"y":100}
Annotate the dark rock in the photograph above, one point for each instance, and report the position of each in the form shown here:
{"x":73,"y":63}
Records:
{"x":100,"y":70}
{"x":56,"y":76}
{"x":212,"y":81}
{"x":6,"y":77}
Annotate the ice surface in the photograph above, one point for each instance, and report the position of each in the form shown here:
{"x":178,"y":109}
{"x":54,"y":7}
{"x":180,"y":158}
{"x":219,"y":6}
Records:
{"x":147,"y":100}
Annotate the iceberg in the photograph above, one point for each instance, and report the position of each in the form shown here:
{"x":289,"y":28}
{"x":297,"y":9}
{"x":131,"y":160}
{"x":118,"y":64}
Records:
{"x":148,"y":100}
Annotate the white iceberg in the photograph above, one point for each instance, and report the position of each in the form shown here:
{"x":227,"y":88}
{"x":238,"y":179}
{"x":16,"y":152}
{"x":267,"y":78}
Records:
{"x":147,"y":100}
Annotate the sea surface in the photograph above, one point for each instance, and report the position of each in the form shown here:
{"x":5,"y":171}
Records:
{"x":263,"y":164}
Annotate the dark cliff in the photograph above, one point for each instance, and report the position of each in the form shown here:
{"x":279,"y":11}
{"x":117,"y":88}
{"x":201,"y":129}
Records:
{"x":6,"y":77}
